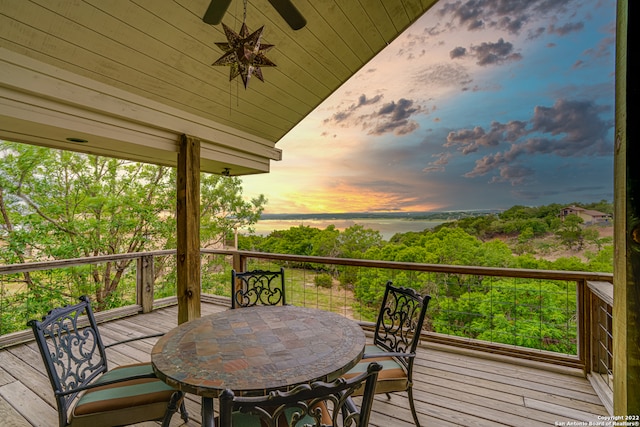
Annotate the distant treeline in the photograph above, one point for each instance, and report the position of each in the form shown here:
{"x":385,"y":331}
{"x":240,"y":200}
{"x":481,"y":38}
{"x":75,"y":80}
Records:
{"x":518,"y":235}
{"x":440,"y":215}
{"x":517,"y":211}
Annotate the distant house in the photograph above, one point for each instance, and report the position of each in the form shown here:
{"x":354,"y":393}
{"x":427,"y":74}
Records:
{"x":589,"y":217}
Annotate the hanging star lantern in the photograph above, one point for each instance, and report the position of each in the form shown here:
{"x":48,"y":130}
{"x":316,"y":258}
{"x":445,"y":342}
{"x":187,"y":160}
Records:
{"x":244,"y":53}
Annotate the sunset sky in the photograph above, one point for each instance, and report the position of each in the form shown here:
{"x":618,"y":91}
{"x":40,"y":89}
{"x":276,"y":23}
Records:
{"x":481,"y":104}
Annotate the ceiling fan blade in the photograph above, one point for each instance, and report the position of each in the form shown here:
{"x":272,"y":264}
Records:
{"x":216,"y":11}
{"x":289,"y":13}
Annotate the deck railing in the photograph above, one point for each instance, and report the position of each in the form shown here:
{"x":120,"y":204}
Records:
{"x":558,"y":317}
{"x":599,"y":313}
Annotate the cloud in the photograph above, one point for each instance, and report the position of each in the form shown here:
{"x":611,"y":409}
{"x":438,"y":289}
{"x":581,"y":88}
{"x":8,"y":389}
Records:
{"x":578,"y":64}
{"x":510,"y":16}
{"x":344,"y":115}
{"x":392,"y":117}
{"x":395,"y":117}
{"x":567,"y":129}
{"x":458,"y":52}
{"x":567,"y":28}
{"x":486,"y":53}
{"x":363,"y":100}
{"x":516,"y":174}
{"x":494,"y":53}
{"x":442,"y":75}
{"x":604,"y":48}
{"x":470,"y":140}
{"x":439,"y":164}
{"x":585,"y":133}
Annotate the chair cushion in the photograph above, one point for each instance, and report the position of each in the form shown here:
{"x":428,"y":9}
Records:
{"x":123,"y":403}
{"x":391,"y":378}
{"x":127,"y":371}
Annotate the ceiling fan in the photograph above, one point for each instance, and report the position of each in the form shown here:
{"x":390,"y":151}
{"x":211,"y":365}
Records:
{"x":285,"y":8}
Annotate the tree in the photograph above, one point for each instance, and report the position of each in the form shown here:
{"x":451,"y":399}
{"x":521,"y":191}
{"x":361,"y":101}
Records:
{"x":533,"y":314}
{"x":223,"y":209}
{"x":453,"y":246}
{"x":592,"y":235}
{"x":355,"y":240}
{"x":570,"y":232}
{"x":59,"y":205}
{"x":326,"y":243}
{"x":71,"y":206}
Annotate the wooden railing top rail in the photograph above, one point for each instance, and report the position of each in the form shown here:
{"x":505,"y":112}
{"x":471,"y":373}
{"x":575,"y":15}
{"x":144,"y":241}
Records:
{"x":72,"y":262}
{"x":434,"y":268}
{"x":603,"y":289}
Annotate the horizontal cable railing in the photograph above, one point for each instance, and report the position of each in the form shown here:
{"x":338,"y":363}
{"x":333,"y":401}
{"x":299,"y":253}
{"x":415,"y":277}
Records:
{"x":537,"y":315}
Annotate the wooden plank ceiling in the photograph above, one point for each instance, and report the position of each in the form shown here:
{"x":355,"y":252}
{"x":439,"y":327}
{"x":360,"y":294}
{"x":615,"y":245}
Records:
{"x":131,"y":76}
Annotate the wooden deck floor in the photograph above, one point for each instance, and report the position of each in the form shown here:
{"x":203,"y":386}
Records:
{"x":452,"y":389}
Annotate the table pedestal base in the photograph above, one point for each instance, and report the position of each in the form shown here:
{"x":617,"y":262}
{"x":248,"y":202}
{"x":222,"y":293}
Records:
{"x":207,"y":412}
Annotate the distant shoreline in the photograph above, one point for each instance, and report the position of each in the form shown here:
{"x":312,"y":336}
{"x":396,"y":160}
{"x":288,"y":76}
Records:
{"x":427,"y":215}
{"x":387,"y":226}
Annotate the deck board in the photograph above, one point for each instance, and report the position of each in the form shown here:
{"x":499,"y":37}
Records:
{"x":451,"y":388}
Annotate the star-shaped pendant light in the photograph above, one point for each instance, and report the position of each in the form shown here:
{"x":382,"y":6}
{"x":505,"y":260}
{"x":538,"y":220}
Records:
{"x":244,"y":53}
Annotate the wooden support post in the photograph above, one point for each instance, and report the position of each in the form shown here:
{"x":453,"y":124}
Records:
{"x":188,"y":229}
{"x":626,"y":300}
{"x":146,"y":281}
{"x":239,"y":263}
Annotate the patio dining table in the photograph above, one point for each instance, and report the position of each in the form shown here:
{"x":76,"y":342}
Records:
{"x":256,"y":350}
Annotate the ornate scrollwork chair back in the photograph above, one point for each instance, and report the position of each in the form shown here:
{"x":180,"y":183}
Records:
{"x":318,"y":404}
{"x":396,"y":338}
{"x":257,"y":287}
{"x":87,"y":393}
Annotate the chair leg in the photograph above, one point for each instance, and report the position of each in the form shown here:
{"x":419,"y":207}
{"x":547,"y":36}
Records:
{"x":413,"y":406}
{"x":183,"y":411}
{"x":172,"y":408}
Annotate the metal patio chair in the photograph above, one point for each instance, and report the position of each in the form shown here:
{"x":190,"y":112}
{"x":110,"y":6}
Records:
{"x":395,"y":341}
{"x":257,"y":287}
{"x":318,"y":404}
{"x":86,"y":392}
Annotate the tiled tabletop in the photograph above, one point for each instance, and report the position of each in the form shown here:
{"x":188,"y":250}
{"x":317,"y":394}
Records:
{"x":257,"y":349}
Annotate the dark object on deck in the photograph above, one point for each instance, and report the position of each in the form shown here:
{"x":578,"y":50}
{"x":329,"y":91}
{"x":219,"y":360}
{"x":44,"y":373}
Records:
{"x":257,"y":287}
{"x":75,"y":358}
{"x":396,"y":337}
{"x":317,"y":404}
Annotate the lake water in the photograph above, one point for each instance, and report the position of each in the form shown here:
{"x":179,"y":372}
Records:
{"x":386,"y":226}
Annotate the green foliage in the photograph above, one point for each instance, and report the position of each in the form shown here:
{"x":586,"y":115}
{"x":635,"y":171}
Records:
{"x":570,"y":232}
{"x":496,"y":253}
{"x":323,"y":280}
{"x":295,"y":240}
{"x":452,"y":246}
{"x":533,"y":313}
{"x":601,"y":261}
{"x":59,"y":205}
{"x":223,"y":208}
{"x":601,"y":206}
{"x":530,"y":314}
{"x":326,"y":242}
{"x":354,"y":241}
